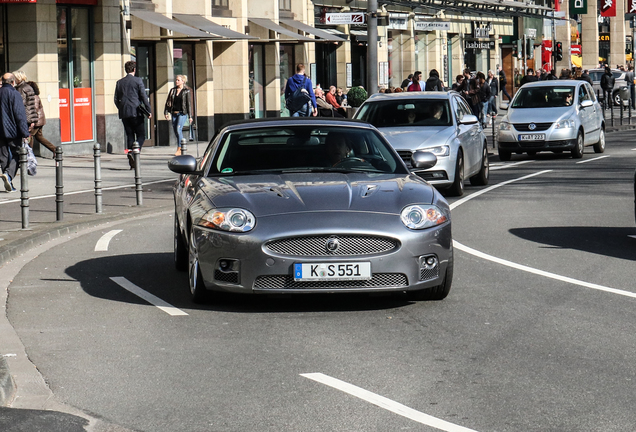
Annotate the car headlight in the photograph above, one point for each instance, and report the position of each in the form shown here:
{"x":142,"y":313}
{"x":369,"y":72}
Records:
{"x":504,"y":126}
{"x":438,"y":151}
{"x":564,"y":124}
{"x":235,"y":220}
{"x":423,"y":216}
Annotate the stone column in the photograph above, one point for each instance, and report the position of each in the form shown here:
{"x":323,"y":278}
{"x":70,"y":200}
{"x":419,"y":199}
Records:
{"x":589,"y":36}
{"x":617,"y":36}
{"x":205,"y":91}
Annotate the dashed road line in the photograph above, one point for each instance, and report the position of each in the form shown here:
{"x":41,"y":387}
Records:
{"x":150,"y":298}
{"x":104,"y":241}
{"x":593,"y":159}
{"x":497,"y":167}
{"x":386,"y":403}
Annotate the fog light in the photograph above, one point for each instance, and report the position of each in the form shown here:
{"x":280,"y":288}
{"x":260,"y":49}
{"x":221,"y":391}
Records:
{"x":224,"y":265}
{"x":429,"y":267}
{"x":431,"y":261}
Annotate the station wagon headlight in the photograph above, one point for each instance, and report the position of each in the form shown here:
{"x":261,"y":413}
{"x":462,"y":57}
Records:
{"x":565,"y":124}
{"x":235,"y":220}
{"x":423,"y":216}
{"x":504,"y":126}
{"x":438,"y":151}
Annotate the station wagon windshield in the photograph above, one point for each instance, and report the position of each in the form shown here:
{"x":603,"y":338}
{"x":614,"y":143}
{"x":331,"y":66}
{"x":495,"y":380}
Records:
{"x":544,"y":97}
{"x":407,"y":112}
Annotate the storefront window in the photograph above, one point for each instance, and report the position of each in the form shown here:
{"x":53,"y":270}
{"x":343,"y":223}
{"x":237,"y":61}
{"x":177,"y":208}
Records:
{"x":3,"y":58}
{"x":423,"y":44}
{"x":287,"y":70}
{"x":257,"y":80}
{"x":75,"y":74}
{"x":397,"y":72}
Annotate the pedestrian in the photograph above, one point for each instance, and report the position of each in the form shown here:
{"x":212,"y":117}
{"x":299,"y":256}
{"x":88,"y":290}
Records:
{"x":292,"y":99}
{"x":494,"y":92}
{"x":433,"y":83}
{"x":28,"y":97}
{"x":458,"y":85}
{"x":179,"y":106}
{"x":415,"y":84}
{"x":503,"y":82}
{"x":484,"y":99}
{"x":130,"y":93}
{"x":629,"y":77}
{"x":552,"y":75}
{"x":607,"y":85}
{"x":406,"y":82}
{"x":36,"y":130}
{"x":518,"y":77}
{"x":566,"y":74}
{"x":14,"y":130}
{"x":585,"y":76}
{"x":330,"y":97}
{"x":530,"y":77}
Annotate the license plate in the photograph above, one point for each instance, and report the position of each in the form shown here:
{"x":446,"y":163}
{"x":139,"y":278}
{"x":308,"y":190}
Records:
{"x":532,"y":137}
{"x":332,"y":271}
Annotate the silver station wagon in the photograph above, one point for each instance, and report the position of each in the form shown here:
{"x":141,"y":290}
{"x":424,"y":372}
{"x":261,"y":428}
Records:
{"x":554,"y":116}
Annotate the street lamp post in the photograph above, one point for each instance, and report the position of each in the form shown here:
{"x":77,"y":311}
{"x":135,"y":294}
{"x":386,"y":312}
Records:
{"x":372,"y":47}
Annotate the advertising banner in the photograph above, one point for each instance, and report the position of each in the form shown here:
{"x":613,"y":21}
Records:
{"x":78,"y":2}
{"x":631,"y":6}
{"x":578,"y":7}
{"x":83,"y":113}
{"x":432,"y":25}
{"x":65,"y":115}
{"x":608,"y":8}
{"x":17,"y":1}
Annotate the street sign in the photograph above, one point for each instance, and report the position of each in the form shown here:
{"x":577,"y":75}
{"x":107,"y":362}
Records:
{"x":431,"y":25}
{"x":344,"y":18}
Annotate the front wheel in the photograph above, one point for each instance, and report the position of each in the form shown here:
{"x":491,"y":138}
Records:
{"x":481,"y":178}
{"x":195,"y":278}
{"x":180,"y":248}
{"x":457,"y":188}
{"x":577,"y":151}
{"x":599,"y":147}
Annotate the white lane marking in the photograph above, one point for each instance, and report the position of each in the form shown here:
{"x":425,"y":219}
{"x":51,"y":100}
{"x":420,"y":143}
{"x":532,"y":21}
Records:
{"x":150,"y":298}
{"x":386,"y":403}
{"x":632,"y":236}
{"x":594,"y":159}
{"x":554,"y":276}
{"x":104,"y":241}
{"x":90,"y":190}
{"x":496,"y":167}
{"x":488,"y":189}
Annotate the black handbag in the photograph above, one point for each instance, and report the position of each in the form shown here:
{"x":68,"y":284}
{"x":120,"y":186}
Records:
{"x":143,"y":110}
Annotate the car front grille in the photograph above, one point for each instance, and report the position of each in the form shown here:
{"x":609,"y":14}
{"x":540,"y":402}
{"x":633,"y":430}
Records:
{"x":287,"y":282}
{"x":316,"y":246}
{"x":228,"y":277}
{"x":429,"y":274}
{"x":525,"y":127}
{"x":406,"y":157}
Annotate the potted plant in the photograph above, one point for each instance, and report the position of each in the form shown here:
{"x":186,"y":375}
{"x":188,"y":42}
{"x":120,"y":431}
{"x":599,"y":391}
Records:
{"x":356,"y":96}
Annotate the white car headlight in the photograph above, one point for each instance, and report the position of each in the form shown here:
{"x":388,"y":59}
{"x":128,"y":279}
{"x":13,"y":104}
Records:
{"x":438,"y":151}
{"x":235,"y":220}
{"x":423,"y":216}
{"x":504,"y":125}
{"x":564,"y":124}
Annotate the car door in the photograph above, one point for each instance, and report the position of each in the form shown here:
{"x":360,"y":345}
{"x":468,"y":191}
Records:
{"x":598,"y":110}
{"x":470,"y":138}
{"x":587,"y":116}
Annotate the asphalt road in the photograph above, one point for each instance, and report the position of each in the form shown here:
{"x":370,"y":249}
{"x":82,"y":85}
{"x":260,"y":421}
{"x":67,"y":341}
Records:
{"x":536,"y":334}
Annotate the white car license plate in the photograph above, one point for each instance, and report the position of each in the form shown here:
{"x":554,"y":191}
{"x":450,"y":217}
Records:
{"x":532,"y":137}
{"x":343,"y":271}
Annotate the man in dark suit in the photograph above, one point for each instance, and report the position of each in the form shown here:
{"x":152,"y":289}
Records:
{"x":129,"y":94}
{"x":14,"y":130}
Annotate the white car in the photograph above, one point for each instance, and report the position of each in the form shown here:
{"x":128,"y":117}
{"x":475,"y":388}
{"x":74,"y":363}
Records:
{"x":437,"y":122}
{"x":556,"y":116}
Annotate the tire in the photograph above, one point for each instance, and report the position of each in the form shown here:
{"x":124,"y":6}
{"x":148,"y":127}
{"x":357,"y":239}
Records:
{"x":457,"y":188}
{"x":532,"y":153}
{"x":577,"y":151}
{"x":437,"y":293}
{"x":180,"y":248}
{"x":195,"y":278}
{"x":504,"y":155}
{"x":616,"y":97}
{"x":481,"y":178}
{"x":599,"y":147}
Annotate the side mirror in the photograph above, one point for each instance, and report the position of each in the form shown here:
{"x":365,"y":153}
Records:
{"x":423,"y":159}
{"x":469,"y":119}
{"x":587,"y":103}
{"x":503,"y":106}
{"x":183,"y":164}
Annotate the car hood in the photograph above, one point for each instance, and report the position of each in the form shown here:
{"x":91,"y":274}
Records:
{"x":413,"y":138}
{"x":266,"y":195}
{"x":533,"y":115}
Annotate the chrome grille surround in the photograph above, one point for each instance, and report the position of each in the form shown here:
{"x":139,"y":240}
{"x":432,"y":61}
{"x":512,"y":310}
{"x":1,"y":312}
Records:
{"x":287,"y":282}
{"x":348,"y":245}
{"x":525,"y":127}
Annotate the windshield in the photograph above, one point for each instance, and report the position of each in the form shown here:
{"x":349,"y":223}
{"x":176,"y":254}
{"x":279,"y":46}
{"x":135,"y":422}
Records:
{"x":304,"y":148}
{"x":543,"y":97}
{"x":406,"y":112}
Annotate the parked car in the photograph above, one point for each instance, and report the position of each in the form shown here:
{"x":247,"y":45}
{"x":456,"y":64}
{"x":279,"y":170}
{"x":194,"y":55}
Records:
{"x":552,"y":116}
{"x":309,"y":206}
{"x":619,"y":81}
{"x":438,"y":122}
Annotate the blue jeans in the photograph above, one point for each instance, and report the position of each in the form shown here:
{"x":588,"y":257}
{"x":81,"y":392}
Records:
{"x":303,"y":112}
{"x":178,"y":120}
{"x":484,"y":114}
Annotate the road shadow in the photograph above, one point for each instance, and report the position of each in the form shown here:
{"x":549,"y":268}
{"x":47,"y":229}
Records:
{"x":156,"y":274}
{"x":603,"y":241}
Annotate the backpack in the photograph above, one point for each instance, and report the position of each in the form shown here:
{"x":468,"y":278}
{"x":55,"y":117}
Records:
{"x":299,"y":98}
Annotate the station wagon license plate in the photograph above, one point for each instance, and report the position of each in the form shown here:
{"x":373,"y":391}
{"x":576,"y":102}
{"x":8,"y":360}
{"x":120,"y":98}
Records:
{"x":332,"y":271}
{"x":532,"y":137}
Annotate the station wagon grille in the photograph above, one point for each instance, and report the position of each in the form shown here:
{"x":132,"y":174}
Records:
{"x":525,"y":127}
{"x":348,"y":245}
{"x":379,"y":280}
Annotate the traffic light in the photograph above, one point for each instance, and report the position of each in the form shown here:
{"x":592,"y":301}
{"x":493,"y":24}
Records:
{"x":559,"y":51}
{"x":519,"y":44}
{"x":530,"y":48}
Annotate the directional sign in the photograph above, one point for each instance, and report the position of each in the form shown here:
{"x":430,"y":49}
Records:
{"x":344,"y":18}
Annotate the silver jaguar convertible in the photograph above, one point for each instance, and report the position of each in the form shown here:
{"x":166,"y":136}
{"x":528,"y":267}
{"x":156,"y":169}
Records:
{"x":309,"y":206}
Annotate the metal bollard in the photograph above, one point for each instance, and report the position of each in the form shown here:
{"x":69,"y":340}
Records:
{"x":621,"y":113}
{"x":24,"y":187}
{"x":97,"y":154}
{"x":629,"y":112}
{"x":138,"y":187}
{"x":184,"y":146}
{"x":612,"y":111}
{"x":494,"y":135}
{"x":59,"y":184}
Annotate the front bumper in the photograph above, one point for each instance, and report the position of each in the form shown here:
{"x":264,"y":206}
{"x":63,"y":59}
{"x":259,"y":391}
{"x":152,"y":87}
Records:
{"x":555,"y":139}
{"x":255,"y":268}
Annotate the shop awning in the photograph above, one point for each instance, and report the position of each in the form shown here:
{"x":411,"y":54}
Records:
{"x":479,"y":7}
{"x":361,"y":35}
{"x":271,"y":25}
{"x":325,"y":36}
{"x":202,"y":23}
{"x":338,"y":33}
{"x":163,"y":21}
